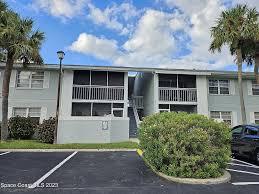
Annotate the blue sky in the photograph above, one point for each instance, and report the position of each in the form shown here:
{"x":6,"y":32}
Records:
{"x":146,"y":33}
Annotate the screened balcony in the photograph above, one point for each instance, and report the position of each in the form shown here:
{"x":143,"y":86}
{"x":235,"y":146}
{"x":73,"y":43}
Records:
{"x":177,"y":88}
{"x":98,"y":85}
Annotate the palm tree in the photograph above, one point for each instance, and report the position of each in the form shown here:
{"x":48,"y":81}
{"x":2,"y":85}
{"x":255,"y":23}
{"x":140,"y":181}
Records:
{"x":234,"y":28}
{"x":250,"y":55}
{"x":19,"y":41}
{"x":256,"y":65}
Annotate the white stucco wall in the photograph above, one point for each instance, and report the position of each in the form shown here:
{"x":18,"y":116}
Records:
{"x":81,"y":129}
{"x":145,"y":86}
{"x":93,"y":131}
{"x":202,"y":97}
{"x":45,"y":97}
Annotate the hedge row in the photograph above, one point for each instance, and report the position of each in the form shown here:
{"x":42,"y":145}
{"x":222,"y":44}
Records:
{"x":25,"y":128}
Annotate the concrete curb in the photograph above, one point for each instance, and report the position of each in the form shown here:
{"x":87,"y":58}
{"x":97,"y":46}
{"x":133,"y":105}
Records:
{"x":67,"y":150}
{"x":211,"y":181}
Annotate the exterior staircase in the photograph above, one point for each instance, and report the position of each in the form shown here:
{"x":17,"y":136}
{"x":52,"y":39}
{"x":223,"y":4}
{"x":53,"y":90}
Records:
{"x":133,"y":129}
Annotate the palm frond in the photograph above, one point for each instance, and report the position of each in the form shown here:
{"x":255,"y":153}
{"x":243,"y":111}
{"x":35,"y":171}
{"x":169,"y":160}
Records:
{"x":3,"y":6}
{"x":17,"y":36}
{"x":238,"y":28}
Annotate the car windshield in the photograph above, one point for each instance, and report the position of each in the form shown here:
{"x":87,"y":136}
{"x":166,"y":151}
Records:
{"x":248,"y":130}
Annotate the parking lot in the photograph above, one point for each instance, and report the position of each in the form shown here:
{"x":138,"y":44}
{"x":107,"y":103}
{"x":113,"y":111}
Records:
{"x":105,"y":172}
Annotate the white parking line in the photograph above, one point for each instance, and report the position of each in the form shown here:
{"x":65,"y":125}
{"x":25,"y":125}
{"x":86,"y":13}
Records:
{"x":244,"y":162}
{"x":4,"y":153}
{"x":244,"y":165}
{"x":242,"y":171}
{"x":35,"y":184}
{"x":246,"y":183}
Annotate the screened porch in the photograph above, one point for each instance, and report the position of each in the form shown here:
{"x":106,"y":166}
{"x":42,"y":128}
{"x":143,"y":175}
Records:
{"x":177,"y":88}
{"x":98,"y":85}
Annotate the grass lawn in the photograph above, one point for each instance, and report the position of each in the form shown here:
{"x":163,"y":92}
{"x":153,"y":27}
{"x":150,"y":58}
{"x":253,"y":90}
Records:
{"x":34,"y":144}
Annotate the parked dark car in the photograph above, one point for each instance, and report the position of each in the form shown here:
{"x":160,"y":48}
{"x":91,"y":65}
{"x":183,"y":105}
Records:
{"x":245,"y":141}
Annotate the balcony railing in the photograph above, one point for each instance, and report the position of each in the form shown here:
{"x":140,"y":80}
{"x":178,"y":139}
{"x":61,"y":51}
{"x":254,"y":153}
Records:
{"x":138,"y":100}
{"x":86,"y":92}
{"x":178,"y":94}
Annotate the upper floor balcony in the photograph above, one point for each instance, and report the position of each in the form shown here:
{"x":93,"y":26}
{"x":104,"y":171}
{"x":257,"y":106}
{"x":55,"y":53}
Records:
{"x":177,"y":88}
{"x":98,"y":85}
{"x":178,"y":94}
{"x":89,"y":92}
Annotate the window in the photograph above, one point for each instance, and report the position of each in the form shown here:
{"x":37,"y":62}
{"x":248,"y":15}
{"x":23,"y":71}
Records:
{"x":237,"y":130}
{"x":250,"y":130}
{"x":164,"y":108}
{"x":22,"y":112}
{"x":177,"y":81}
{"x":101,"y":109}
{"x":183,"y":108}
{"x":219,"y":86}
{"x":97,"y":109}
{"x":225,"y":116}
{"x":99,"y":78}
{"x":34,"y":113}
{"x":186,"y":81}
{"x":117,"y":109}
{"x":81,"y":77}
{"x":255,"y":88}
{"x":115,"y":79}
{"x":81,"y":109}
{"x":27,"y":79}
{"x":257,"y":117}
{"x":167,"y":80}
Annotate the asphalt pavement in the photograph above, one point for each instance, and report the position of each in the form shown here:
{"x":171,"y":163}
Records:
{"x":106,"y":172}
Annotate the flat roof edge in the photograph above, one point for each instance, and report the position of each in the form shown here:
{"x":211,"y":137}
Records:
{"x":55,"y":67}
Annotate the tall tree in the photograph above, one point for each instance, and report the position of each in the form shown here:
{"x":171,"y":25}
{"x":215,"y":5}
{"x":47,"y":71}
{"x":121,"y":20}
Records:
{"x":256,"y":65}
{"x":251,"y":56}
{"x":19,"y":41}
{"x":234,"y":28}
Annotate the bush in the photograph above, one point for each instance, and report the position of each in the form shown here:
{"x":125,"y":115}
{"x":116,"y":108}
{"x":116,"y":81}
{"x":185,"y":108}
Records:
{"x":185,"y":145}
{"x":21,"y":127}
{"x":46,"y":131}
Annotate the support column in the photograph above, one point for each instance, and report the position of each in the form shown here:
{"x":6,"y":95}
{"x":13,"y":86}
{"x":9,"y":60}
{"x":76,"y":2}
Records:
{"x":66,"y":95}
{"x":156,"y":92}
{"x":126,"y":101}
{"x":202,"y":95}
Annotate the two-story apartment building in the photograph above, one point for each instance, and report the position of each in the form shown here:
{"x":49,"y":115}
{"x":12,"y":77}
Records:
{"x":211,"y":93}
{"x":105,"y":104}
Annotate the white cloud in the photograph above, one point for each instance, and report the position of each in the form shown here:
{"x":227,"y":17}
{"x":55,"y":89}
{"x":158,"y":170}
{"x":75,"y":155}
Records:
{"x":103,"y":17}
{"x":65,"y":9}
{"x":202,"y":15}
{"x":98,"y":47}
{"x":152,"y":41}
{"x":113,"y":16}
{"x":176,"y":39}
{"x":250,"y":3}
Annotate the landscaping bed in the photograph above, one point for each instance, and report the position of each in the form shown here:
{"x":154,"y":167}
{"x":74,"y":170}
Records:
{"x":34,"y":144}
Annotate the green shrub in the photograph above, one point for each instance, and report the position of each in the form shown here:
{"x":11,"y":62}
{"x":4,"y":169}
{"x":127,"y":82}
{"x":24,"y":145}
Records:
{"x":46,"y":130}
{"x":21,"y":127}
{"x":185,"y":145}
